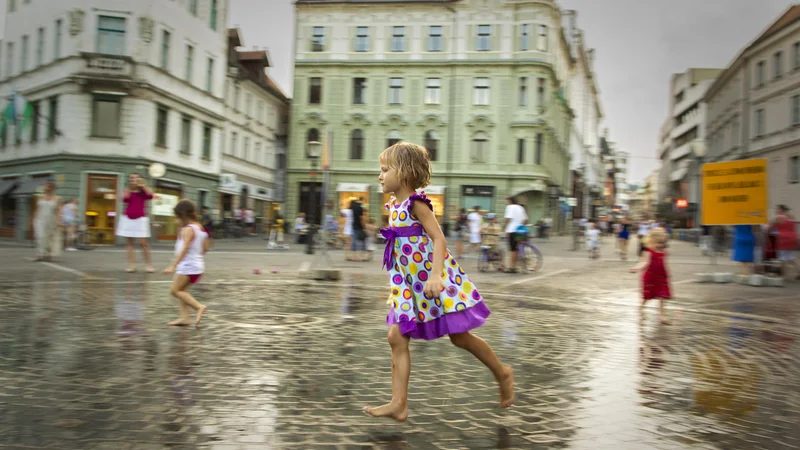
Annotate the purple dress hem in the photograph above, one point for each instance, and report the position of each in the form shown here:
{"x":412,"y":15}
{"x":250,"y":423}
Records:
{"x":450,"y":323}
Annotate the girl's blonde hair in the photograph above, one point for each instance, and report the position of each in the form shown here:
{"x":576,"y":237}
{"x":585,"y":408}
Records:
{"x":411,"y":162}
{"x":655,"y":234}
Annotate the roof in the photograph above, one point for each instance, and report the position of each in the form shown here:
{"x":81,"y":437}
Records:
{"x":235,"y":37}
{"x":259,"y":56}
{"x":272,"y":86}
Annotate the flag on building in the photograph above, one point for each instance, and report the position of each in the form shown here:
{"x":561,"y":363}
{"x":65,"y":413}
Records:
{"x":18,"y":112}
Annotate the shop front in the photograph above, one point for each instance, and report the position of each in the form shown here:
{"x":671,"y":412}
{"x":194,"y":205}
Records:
{"x":480,"y":196}
{"x":435,"y":193}
{"x":100,"y":216}
{"x":349,"y":192}
{"x":8,"y":207}
{"x":165,"y":196}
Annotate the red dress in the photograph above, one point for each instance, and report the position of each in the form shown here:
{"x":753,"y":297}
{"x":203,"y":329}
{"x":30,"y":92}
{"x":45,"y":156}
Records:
{"x":655,"y":281}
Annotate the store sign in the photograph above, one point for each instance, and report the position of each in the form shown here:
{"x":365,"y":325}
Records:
{"x":681,"y":203}
{"x":169,"y":185}
{"x":735,"y":193}
{"x":433,"y":190}
{"x":352,"y":187}
{"x":164,"y":204}
{"x":478,"y":191}
{"x":227,"y":181}
{"x":572,"y":201}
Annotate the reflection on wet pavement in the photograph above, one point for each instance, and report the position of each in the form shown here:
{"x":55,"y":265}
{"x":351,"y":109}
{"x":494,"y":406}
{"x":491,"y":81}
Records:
{"x":289,"y":365}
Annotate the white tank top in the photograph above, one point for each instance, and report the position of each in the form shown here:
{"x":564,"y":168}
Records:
{"x":193,"y":263}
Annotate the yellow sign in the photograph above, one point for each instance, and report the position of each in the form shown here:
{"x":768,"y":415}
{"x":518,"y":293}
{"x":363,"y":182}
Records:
{"x":735,"y":192}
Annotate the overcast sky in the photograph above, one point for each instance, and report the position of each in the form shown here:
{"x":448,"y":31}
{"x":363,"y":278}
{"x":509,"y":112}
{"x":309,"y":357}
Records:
{"x":639,"y":44}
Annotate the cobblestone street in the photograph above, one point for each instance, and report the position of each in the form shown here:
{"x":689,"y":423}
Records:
{"x":87,"y":361}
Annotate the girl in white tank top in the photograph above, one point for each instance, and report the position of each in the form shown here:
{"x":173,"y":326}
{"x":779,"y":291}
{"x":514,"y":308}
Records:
{"x":189,"y":262}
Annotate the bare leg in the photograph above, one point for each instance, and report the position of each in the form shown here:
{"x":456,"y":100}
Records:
{"x":514,"y":258}
{"x":179,"y":285}
{"x":397,"y":409}
{"x":481,"y":350}
{"x":459,"y":249}
{"x":661,"y":312}
{"x":131,"y":255}
{"x":146,"y":250}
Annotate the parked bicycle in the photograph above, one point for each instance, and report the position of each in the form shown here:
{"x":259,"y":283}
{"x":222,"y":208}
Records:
{"x":83,"y":240}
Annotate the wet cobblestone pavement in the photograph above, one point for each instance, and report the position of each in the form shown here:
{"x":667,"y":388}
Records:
{"x":282,"y":363}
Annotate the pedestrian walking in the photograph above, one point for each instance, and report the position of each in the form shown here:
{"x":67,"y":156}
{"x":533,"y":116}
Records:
{"x":69,"y":220}
{"x":134,"y":223}
{"x":426,"y":301}
{"x":46,"y":224}
{"x":744,"y":244}
{"x":474,"y":220}
{"x":189,"y":263}
{"x":655,"y":281}
{"x":593,"y":240}
{"x":347,"y":233}
{"x":622,"y":239}
{"x":785,"y":229}
{"x":460,"y":231}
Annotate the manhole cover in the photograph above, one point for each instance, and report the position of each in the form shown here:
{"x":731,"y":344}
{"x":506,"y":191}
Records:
{"x":263,"y":320}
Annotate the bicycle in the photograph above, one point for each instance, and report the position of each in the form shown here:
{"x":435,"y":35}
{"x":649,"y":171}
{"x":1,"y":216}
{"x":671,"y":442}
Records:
{"x":490,"y":257}
{"x":529,"y":257}
{"x":83,"y":239}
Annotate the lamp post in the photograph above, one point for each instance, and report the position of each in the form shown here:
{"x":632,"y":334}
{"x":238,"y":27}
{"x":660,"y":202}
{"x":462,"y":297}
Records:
{"x":312,"y":152}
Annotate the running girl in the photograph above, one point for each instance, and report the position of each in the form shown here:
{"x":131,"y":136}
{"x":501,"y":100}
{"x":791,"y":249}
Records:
{"x":431,"y":296}
{"x":188,"y":265}
{"x":655,"y":281}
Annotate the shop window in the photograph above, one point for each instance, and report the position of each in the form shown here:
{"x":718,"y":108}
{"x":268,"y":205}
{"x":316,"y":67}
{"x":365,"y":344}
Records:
{"x":101,"y":207}
{"x":167,"y":194}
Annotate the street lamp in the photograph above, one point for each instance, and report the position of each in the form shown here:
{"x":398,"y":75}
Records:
{"x":312,"y":153}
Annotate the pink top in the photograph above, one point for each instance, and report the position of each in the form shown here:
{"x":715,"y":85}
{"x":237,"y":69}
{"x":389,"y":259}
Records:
{"x":136,"y":201}
{"x":787,"y":233}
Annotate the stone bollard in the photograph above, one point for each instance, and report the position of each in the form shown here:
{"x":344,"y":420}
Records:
{"x":322,"y":274}
{"x":755,"y":280}
{"x":705,"y":277}
{"x":741,"y":279}
{"x":773,"y":281}
{"x":723,"y":277}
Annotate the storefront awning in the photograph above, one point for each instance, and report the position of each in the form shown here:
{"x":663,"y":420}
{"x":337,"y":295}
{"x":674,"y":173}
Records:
{"x":352,"y":187}
{"x":7,"y":186}
{"x":28,"y":187}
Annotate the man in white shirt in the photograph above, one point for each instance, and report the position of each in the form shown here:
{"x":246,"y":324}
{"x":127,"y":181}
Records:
{"x":515,"y":217}
{"x":474,"y":219}
{"x":250,"y":220}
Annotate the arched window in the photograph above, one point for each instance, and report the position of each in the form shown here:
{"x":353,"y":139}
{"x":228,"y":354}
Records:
{"x":431,"y":144}
{"x":480,"y":147}
{"x":393,"y":138}
{"x":356,"y":144}
{"x":311,"y":136}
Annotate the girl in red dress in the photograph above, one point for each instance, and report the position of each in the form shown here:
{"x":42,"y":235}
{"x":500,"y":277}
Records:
{"x":655,"y":281}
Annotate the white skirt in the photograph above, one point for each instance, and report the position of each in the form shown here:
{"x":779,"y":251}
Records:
{"x":133,"y":228}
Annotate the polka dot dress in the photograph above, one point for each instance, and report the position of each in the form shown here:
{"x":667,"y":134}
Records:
{"x":413,"y":261}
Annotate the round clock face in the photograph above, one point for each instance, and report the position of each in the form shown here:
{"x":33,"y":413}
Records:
{"x":157,"y":170}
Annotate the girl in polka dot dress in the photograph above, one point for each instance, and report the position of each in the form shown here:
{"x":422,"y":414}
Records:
{"x":431,"y":296}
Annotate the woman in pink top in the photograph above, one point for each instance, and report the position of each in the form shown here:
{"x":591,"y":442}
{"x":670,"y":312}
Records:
{"x":134,"y":223}
{"x":785,"y":229}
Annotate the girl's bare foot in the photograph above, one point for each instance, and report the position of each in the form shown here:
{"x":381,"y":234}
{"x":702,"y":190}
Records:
{"x":182,"y":322}
{"x":396,"y":411}
{"x":507,"y":388}
{"x":130,"y":269}
{"x":199,"y":314}
{"x":150,"y":269}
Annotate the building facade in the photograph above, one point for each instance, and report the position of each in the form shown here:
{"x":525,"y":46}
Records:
{"x":585,"y":102}
{"x":482,"y":85}
{"x":255,"y":135}
{"x":683,"y":153}
{"x":754,"y":108}
{"x":115,"y":86}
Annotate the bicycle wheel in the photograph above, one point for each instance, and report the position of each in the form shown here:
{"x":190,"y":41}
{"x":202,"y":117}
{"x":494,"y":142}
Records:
{"x":531,"y":258}
{"x":483,"y":262}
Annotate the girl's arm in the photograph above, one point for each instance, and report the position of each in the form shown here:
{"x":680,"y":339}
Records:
{"x":187,"y":235}
{"x":206,"y":245}
{"x":126,"y":196}
{"x":422,"y":212}
{"x":644,"y":261}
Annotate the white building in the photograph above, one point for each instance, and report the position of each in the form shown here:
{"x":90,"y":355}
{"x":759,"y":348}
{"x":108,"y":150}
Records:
{"x":754,"y":108}
{"x":621,"y":179}
{"x":686,"y":121}
{"x":115,"y":85}
{"x":255,"y":134}
{"x":584,"y":98}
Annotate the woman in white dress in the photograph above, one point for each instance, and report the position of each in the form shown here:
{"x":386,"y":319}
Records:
{"x":347,"y":233}
{"x":46,"y":224}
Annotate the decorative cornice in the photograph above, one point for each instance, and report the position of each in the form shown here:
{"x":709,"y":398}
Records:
{"x":357,"y":118}
{"x":432,"y":119}
{"x":313,"y":117}
{"x":480,"y":119}
{"x":395,"y":119}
